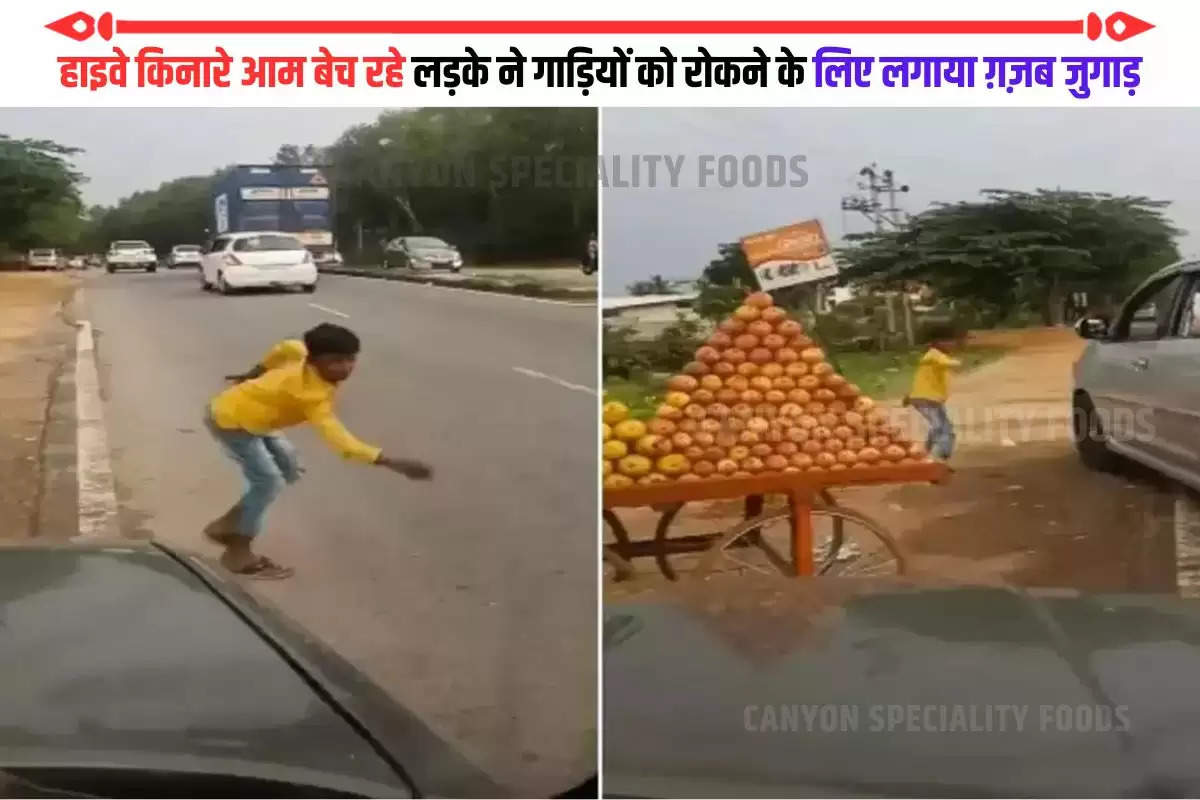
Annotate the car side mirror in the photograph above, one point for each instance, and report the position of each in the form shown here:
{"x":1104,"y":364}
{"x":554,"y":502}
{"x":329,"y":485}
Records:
{"x":1092,"y":328}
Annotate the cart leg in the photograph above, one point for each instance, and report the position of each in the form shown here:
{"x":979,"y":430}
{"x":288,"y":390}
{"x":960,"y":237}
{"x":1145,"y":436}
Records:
{"x":754,"y":508}
{"x":660,"y":539}
{"x":802,"y":534}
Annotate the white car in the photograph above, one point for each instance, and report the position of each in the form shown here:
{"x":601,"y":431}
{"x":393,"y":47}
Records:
{"x":76,"y":262}
{"x":185,"y":255}
{"x":131,"y":254}
{"x":1137,"y":384}
{"x":44,"y":259}
{"x":257,"y":260}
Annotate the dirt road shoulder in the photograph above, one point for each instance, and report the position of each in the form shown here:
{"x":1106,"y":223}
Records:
{"x":36,"y":346}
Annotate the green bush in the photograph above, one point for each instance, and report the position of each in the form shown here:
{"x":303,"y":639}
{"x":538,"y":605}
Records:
{"x":626,"y":356}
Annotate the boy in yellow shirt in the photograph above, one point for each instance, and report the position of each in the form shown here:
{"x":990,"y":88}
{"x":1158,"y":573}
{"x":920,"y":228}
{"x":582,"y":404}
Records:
{"x":931,"y":388}
{"x":293,"y":384}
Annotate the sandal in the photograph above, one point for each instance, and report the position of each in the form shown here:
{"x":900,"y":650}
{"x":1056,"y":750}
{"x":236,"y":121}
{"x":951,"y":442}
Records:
{"x":266,"y":570}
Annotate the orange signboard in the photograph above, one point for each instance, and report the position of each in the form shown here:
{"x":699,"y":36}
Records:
{"x":789,"y":255}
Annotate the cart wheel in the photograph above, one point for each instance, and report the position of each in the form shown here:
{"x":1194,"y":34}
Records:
{"x":763,"y":544}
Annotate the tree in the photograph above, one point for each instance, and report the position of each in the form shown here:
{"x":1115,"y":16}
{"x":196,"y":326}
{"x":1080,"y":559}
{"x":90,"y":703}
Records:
{"x":1013,"y":248}
{"x":466,"y":174}
{"x":39,"y":193}
{"x":656,"y":285}
{"x":293,"y":155}
{"x":433,"y":170}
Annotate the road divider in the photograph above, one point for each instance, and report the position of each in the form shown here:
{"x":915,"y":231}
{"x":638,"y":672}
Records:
{"x":525,"y":289}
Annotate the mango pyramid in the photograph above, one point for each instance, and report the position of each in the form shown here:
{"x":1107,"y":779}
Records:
{"x":760,"y":398}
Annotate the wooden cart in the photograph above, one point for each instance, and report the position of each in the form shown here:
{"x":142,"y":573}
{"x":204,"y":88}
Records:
{"x":807,"y":493}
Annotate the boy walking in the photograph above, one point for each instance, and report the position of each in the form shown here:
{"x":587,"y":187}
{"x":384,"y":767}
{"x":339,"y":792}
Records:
{"x":294,"y":383}
{"x":931,"y":388}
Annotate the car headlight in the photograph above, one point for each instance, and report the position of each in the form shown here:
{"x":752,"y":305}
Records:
{"x":457,"y":259}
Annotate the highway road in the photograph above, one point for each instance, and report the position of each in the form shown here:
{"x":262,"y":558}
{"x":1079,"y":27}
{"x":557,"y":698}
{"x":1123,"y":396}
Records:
{"x":472,"y":599}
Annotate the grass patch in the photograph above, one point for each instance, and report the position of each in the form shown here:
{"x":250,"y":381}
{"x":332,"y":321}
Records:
{"x":642,"y":394}
{"x":890,"y":374}
{"x":880,"y":375}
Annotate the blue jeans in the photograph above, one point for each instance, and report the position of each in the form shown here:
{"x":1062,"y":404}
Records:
{"x":268,"y":463}
{"x":940,"y":441}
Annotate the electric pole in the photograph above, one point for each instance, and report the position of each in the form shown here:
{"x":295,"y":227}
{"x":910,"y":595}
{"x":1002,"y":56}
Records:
{"x":875,"y":183}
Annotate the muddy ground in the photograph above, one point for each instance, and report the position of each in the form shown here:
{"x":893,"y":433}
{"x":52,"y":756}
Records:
{"x":34,"y":342}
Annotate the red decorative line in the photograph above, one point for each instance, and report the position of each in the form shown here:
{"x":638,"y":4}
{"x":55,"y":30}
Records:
{"x":584,"y":27}
{"x":1119,"y":26}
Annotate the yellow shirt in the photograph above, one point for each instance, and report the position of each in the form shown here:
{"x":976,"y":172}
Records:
{"x":288,"y":393}
{"x":932,"y":378}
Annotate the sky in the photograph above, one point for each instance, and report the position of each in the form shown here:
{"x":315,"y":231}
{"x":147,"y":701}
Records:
{"x":131,"y":149}
{"x":943,"y":154}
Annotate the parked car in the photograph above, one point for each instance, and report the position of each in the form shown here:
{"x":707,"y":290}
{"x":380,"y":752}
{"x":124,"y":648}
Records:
{"x":422,"y":252}
{"x":250,"y":260}
{"x":131,"y":254}
{"x":94,"y":260}
{"x":758,"y":686}
{"x":139,"y":671}
{"x":44,"y":258}
{"x":326,"y":256}
{"x":1137,"y":383}
{"x":189,"y":255}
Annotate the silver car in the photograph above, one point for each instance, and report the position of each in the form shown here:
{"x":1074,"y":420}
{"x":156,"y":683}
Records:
{"x":422,"y":252}
{"x":1137,"y":384}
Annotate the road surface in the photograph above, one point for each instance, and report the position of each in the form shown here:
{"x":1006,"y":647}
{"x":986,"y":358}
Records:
{"x":472,"y":599}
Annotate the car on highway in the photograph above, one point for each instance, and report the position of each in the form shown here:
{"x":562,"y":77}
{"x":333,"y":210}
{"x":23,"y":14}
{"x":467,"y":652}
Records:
{"x":185,"y":255}
{"x":135,"y":670}
{"x":44,"y":258}
{"x":422,"y":253}
{"x":326,"y":256}
{"x":758,"y":686}
{"x":257,"y":260}
{"x":1137,"y":383}
{"x":130,"y":254}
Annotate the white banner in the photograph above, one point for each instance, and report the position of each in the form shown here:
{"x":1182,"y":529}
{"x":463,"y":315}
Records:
{"x":777,"y":274}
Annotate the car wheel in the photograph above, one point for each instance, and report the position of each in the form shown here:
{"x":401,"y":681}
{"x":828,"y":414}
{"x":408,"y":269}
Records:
{"x":111,"y":270}
{"x":1091,"y":442}
{"x":309,"y":288}
{"x":222,"y":285}
{"x":151,"y":269}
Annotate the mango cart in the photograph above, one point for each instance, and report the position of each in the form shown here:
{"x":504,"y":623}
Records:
{"x":808,"y":496}
{"x":760,"y":411}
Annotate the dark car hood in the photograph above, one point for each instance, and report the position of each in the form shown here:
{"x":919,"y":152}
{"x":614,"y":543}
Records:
{"x":122,"y":656}
{"x":742,"y":687}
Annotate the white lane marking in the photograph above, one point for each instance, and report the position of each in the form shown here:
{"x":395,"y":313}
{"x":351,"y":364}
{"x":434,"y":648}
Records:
{"x":1187,"y":546}
{"x":328,"y":310}
{"x":93,"y":469}
{"x":575,"y":387}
